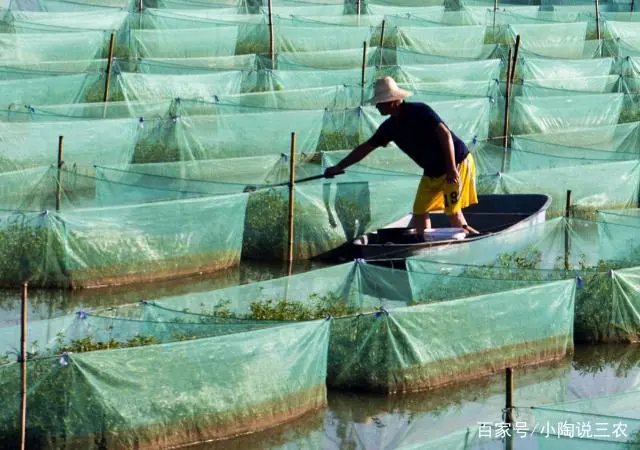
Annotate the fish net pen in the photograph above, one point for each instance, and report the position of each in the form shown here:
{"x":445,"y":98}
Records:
{"x":101,"y":389}
{"x":602,"y":257}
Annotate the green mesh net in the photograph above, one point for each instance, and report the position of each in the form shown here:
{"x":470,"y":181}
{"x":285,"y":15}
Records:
{"x":469,"y":41}
{"x":36,"y":47}
{"x":609,"y":422}
{"x":588,"y":197}
{"x":41,"y":22}
{"x":65,"y":89}
{"x":145,"y":87}
{"x":629,"y":217}
{"x":95,"y":247}
{"x":309,"y":38}
{"x":379,"y":349}
{"x":534,"y":68}
{"x":544,"y":114}
{"x":563,"y":40}
{"x":85,"y":142}
{"x":185,"y":43}
{"x":193,"y":65}
{"x":603,"y":255}
{"x":283,"y":373}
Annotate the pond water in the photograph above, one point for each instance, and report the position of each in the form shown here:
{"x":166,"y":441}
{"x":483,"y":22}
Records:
{"x":357,"y":421}
{"x":46,"y":304}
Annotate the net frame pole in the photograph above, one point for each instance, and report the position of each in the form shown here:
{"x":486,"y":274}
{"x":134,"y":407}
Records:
{"x":364,"y":63}
{"x":23,"y":367}
{"x":381,"y":46}
{"x":567,"y":237}
{"x":508,"y":407}
{"x":292,"y":178}
{"x":107,"y":80}
{"x":59,"y":172}
{"x":271,"y":37}
{"x":507,"y":105}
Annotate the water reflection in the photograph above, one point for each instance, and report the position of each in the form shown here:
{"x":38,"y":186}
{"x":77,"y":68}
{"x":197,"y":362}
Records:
{"x":359,"y":421}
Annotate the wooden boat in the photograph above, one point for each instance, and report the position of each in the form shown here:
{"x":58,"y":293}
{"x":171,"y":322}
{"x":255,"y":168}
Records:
{"x":494,"y":214}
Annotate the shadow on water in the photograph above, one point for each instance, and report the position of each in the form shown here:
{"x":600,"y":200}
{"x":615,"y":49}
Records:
{"x":46,"y":304}
{"x":360,"y":421}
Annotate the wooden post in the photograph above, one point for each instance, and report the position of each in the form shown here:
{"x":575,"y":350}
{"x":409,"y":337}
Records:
{"x":597,"y":20}
{"x":632,"y":5}
{"x":292,"y":178}
{"x":108,"y":77}
{"x":381,"y":41}
{"x":112,"y":42}
{"x":23,"y":369}
{"x":271,"y":37}
{"x":508,"y":407}
{"x":364,"y":64}
{"x":495,"y":8}
{"x":515,"y":58}
{"x":507,"y":102}
{"x":567,"y":237}
{"x":140,"y":9}
{"x":358,"y":8}
{"x":59,"y":173}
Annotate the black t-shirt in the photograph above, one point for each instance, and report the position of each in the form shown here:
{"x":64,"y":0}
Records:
{"x":414,"y":131}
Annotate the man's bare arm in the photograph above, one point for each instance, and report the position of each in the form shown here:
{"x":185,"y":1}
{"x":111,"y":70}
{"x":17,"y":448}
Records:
{"x":355,"y":156}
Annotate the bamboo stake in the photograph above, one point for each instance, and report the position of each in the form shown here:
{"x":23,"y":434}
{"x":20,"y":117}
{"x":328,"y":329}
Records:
{"x":567,"y":237}
{"x":508,"y":407}
{"x":23,"y":369}
{"x":632,"y":5}
{"x":364,"y":63}
{"x":140,"y":8}
{"x":59,"y":173}
{"x":597,"y":20}
{"x":292,"y":177}
{"x":509,"y":397}
{"x":495,"y":8}
{"x":381,"y":41}
{"x":515,"y":59}
{"x":108,"y":77}
{"x":358,"y":8}
{"x":507,"y":102}
{"x":271,"y":37}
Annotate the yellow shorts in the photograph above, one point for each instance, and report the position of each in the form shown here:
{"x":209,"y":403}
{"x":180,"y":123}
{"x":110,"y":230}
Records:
{"x":436,"y":194}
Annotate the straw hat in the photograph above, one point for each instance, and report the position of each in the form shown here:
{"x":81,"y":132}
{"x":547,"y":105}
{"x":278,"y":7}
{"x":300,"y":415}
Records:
{"x":387,"y":90}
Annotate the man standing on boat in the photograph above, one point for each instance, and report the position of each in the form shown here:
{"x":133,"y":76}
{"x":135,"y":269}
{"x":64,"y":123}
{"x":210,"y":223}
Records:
{"x":448,"y":181}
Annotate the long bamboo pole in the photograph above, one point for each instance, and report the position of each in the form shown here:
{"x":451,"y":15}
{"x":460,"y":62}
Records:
{"x":59,"y":172}
{"x":292,"y":178}
{"x":23,"y":368}
{"x":364,"y":64}
{"x":507,"y":102}
{"x":567,"y":237}
{"x":107,"y":80}
{"x":271,"y":36}
{"x":381,"y":46}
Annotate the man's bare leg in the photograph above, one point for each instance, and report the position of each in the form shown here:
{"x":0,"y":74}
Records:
{"x":420,"y":222}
